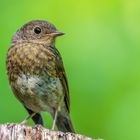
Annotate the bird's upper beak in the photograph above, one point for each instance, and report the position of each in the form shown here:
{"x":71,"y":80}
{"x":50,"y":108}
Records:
{"x":57,"y":33}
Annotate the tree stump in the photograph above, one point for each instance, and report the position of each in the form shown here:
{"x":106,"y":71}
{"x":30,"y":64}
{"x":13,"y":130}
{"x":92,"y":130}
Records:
{"x":23,"y":132}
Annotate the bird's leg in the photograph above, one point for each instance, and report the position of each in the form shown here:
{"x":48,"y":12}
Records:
{"x":55,"y":117}
{"x":27,"y":119}
{"x":37,"y":118}
{"x":54,"y":121}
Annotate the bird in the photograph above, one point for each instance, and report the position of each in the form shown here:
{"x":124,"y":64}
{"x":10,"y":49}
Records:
{"x":37,"y":76}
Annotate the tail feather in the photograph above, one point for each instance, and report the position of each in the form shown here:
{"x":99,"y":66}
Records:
{"x":64,"y":123}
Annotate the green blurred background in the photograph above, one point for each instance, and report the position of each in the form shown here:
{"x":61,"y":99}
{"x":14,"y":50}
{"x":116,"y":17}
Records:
{"x":101,"y":53}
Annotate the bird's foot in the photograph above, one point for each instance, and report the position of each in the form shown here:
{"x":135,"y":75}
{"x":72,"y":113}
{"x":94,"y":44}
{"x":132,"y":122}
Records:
{"x":24,"y":122}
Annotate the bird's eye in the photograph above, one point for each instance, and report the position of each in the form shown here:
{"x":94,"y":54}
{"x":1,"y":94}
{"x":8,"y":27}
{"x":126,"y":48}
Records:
{"x":37,"y":30}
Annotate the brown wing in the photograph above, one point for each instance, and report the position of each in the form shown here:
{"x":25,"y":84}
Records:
{"x":63,"y":78}
{"x":60,"y":72}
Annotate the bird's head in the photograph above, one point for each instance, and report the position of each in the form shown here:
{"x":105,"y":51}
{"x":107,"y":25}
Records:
{"x":37,"y":31}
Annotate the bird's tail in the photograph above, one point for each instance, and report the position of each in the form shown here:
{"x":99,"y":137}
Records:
{"x":64,"y":123}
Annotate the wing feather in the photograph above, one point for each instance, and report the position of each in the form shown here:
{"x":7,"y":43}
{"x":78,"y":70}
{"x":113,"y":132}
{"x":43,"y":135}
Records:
{"x":57,"y":63}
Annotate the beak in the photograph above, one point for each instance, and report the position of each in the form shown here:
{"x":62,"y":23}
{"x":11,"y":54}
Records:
{"x":57,"y":33}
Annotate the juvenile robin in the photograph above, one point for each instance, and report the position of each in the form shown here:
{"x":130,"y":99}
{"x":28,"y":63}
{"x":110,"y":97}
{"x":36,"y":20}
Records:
{"x":37,"y":76}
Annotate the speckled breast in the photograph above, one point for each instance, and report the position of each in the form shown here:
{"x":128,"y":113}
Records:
{"x":32,"y":84}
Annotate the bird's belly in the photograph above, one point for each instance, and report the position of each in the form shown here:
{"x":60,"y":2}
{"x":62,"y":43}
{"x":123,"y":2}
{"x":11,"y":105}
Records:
{"x":39,"y":93}
{"x":35,"y":104}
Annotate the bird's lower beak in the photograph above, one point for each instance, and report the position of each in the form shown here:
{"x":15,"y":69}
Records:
{"x":56,"y":33}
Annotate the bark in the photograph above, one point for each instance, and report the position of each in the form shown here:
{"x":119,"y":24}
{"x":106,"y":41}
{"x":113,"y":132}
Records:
{"x":24,"y":132}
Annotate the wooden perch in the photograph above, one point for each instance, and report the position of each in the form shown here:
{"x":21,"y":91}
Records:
{"x":24,"y":132}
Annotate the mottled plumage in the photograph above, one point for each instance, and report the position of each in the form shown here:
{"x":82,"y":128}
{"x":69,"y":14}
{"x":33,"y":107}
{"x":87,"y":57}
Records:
{"x":36,"y":73}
